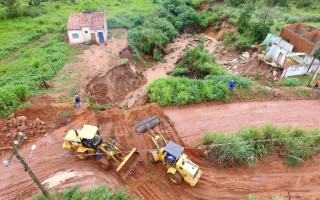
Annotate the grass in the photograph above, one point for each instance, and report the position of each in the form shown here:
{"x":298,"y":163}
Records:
{"x":53,"y":15}
{"x":75,"y":193}
{"x":198,"y":79}
{"x":32,"y":46}
{"x":294,"y":145}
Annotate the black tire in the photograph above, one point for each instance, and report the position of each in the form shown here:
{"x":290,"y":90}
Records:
{"x":82,"y":156}
{"x":151,"y":157}
{"x":175,"y":178}
{"x":104,"y":163}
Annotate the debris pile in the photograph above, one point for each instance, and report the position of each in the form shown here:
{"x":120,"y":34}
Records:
{"x":112,"y":87}
{"x":10,"y":128}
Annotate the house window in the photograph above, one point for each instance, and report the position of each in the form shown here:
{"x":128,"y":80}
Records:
{"x":75,"y":36}
{"x":85,"y":32}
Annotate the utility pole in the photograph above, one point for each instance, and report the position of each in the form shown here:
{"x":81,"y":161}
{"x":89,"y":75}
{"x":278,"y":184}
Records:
{"x":26,"y":167}
{"x":316,"y":72}
{"x":314,"y":57}
{"x":314,"y":76}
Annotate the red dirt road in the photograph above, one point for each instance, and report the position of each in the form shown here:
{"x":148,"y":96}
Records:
{"x":194,"y":120}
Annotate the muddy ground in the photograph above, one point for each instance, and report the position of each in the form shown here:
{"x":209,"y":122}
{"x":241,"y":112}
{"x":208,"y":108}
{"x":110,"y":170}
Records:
{"x":270,"y":177}
{"x":51,"y":115}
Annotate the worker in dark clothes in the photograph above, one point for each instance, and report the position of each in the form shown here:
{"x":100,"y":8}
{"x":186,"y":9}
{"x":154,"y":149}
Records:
{"x":231,"y":85}
{"x":77,"y":100}
{"x":317,"y":85}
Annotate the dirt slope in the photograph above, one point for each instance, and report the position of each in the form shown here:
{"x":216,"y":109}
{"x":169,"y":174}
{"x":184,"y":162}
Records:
{"x":193,"y":120}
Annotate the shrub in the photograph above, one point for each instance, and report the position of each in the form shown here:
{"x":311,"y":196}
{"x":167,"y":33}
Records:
{"x":290,"y":82}
{"x":242,"y":148}
{"x":151,"y":37}
{"x":101,"y":192}
{"x":206,"y":18}
{"x":180,"y":91}
{"x":188,"y":18}
{"x":157,"y":55}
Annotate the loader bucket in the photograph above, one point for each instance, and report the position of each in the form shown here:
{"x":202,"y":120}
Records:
{"x":128,"y":164}
{"x":146,"y":124}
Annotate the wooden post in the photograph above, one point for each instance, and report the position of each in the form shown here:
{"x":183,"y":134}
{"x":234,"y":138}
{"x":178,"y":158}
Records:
{"x":26,"y":167}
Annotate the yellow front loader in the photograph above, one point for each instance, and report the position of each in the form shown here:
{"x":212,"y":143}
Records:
{"x":178,"y":165}
{"x":87,"y":143}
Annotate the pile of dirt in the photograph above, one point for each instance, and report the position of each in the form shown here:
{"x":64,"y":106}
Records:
{"x":127,"y":53}
{"x":257,"y":69}
{"x":10,"y":128}
{"x":113,"y":86}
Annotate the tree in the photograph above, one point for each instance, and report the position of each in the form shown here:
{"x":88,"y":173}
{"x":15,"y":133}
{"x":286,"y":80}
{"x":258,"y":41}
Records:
{"x":243,"y":22}
{"x":273,"y":3}
{"x":10,"y":4}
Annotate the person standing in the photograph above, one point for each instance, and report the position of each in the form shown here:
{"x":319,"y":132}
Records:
{"x":317,"y":85}
{"x":77,"y":100}
{"x":231,"y":85}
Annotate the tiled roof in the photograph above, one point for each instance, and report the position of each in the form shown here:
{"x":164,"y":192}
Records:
{"x":94,"y":20}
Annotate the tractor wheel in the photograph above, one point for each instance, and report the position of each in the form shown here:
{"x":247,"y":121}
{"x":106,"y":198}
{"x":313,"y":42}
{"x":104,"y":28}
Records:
{"x":82,"y":156}
{"x":175,"y":178}
{"x":104,"y":163}
{"x":151,"y":157}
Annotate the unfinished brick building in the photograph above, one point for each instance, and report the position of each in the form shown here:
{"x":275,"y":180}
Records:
{"x":304,"y":38}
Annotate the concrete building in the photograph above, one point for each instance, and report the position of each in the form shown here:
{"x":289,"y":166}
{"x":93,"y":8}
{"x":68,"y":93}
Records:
{"x":86,"y":26}
{"x":304,"y":38}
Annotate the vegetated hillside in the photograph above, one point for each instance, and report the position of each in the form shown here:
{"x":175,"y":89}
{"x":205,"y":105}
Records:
{"x":198,"y":78}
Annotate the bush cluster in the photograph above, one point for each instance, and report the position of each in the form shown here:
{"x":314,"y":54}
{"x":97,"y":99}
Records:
{"x":290,"y":82}
{"x":152,"y":33}
{"x":20,"y":78}
{"x":295,"y":145}
{"x":75,"y":193}
{"x":199,"y":79}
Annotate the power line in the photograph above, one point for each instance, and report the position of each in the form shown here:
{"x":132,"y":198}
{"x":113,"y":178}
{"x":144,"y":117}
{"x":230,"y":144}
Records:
{"x":186,"y":147}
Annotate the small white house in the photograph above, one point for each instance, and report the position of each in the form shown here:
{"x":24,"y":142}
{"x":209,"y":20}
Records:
{"x":86,"y":26}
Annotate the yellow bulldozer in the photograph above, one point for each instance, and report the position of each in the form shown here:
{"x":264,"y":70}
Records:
{"x":178,"y":165}
{"x":87,"y":143}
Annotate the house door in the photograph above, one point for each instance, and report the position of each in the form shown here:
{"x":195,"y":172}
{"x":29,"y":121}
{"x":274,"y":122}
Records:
{"x":93,"y":37}
{"x":101,"y":39}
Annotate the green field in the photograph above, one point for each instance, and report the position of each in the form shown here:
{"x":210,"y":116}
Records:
{"x":32,"y":46}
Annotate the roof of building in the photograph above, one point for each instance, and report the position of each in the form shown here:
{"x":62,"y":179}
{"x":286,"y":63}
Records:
{"x":94,"y":20}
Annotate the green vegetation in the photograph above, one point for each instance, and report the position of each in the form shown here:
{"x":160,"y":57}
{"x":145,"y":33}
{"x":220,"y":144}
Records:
{"x":255,"y":21}
{"x":250,"y":197}
{"x":289,"y":82}
{"x":294,"y":145}
{"x":207,"y":81}
{"x":154,"y":31}
{"x":32,"y":47}
{"x":20,"y":78}
{"x":98,"y":193}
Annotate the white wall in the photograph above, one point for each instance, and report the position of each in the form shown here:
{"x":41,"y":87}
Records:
{"x":86,"y":36}
{"x":75,"y":41}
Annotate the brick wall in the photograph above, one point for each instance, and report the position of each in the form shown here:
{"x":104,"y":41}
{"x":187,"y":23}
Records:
{"x":300,"y":44}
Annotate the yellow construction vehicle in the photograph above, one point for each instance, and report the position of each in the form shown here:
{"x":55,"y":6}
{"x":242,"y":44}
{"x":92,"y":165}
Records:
{"x":179,"y":166}
{"x":87,"y":143}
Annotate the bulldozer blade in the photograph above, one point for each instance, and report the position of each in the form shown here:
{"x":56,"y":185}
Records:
{"x":146,"y":124}
{"x":128,"y":164}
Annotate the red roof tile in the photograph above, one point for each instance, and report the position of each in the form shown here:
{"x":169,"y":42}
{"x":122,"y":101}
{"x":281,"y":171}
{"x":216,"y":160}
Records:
{"x":94,"y":20}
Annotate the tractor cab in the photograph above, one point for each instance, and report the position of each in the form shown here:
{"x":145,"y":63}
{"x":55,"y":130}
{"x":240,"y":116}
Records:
{"x":172,"y":153}
{"x":87,"y":137}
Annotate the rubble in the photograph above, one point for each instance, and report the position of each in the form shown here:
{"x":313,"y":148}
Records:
{"x":12,"y":125}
